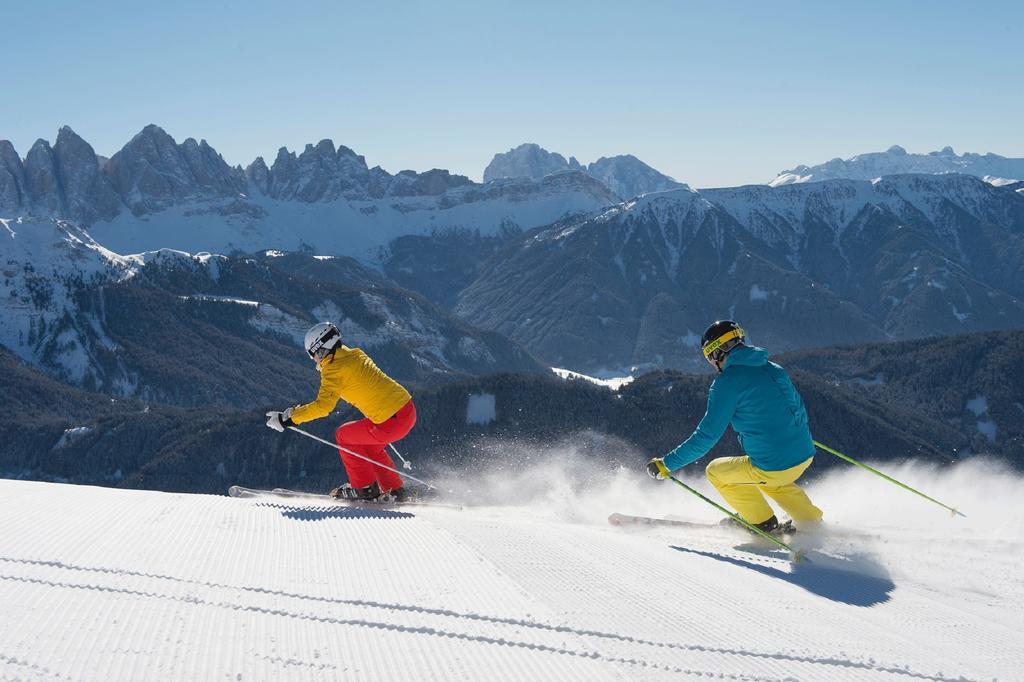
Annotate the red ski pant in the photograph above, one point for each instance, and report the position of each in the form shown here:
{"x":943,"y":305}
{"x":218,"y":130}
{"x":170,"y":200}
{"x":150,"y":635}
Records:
{"x":371,"y":440}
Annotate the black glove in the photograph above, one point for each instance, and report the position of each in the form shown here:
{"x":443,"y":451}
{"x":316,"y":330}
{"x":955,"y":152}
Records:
{"x":656,"y":469}
{"x":279,"y":421}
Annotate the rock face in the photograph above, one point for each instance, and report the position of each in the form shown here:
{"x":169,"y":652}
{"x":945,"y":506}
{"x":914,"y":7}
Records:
{"x":896,"y":160}
{"x":88,"y":195}
{"x":527,"y":161}
{"x":13,"y":189}
{"x":41,"y":179}
{"x":800,"y":266}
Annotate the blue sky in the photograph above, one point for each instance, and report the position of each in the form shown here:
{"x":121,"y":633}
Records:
{"x":712,"y":93}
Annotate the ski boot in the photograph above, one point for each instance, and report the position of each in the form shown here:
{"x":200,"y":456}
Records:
{"x":396,"y":496}
{"x":345,"y":491}
{"x":770,"y":526}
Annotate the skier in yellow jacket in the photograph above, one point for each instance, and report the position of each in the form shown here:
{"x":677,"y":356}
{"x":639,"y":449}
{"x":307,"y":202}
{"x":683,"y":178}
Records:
{"x":389,"y":414}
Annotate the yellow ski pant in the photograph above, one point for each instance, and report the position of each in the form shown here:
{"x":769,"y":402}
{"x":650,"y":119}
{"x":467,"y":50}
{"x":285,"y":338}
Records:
{"x":741,"y":484}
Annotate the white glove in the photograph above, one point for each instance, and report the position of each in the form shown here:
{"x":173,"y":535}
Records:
{"x":280,"y":420}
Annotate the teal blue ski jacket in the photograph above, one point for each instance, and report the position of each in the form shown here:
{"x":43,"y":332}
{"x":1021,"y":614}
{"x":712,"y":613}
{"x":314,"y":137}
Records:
{"x":759,"y":400}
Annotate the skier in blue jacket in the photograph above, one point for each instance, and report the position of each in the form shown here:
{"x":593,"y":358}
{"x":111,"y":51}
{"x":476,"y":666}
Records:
{"x":759,"y":400}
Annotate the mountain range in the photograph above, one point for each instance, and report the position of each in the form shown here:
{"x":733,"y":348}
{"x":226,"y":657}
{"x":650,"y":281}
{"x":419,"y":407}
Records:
{"x":800,"y":265}
{"x":155,"y":193}
{"x":895,"y":160}
{"x":550,"y":258}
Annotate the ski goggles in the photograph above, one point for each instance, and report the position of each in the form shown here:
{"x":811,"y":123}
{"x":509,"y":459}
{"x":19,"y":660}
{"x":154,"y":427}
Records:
{"x":722,"y":340}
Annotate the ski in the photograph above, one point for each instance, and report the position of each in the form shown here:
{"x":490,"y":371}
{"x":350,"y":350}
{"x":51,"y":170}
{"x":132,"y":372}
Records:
{"x":786,"y":529}
{"x":617,"y":519}
{"x":241,"y":491}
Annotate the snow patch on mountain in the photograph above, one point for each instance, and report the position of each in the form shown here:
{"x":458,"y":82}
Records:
{"x":614,"y":383}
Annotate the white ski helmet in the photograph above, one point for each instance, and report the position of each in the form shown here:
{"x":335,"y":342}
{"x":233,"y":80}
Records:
{"x":320,"y":339}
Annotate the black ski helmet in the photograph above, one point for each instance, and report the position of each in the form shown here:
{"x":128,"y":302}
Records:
{"x":720,"y":338}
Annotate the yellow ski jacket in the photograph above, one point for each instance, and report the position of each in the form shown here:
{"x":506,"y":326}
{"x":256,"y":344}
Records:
{"x":350,"y":375}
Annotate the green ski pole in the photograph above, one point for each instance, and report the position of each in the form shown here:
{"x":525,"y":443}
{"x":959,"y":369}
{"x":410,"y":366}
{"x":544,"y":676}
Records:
{"x":851,"y":460}
{"x":795,"y":555}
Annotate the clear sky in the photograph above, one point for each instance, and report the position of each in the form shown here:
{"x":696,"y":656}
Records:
{"x":712,"y":93}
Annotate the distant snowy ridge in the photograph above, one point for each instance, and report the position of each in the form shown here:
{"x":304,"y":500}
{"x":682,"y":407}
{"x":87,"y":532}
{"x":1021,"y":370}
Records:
{"x":895,"y":160}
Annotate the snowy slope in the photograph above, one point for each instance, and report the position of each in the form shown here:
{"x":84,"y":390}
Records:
{"x":102,"y":584}
{"x":44,"y":263}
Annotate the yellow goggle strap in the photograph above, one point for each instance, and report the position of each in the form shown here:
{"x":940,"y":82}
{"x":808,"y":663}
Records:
{"x":724,"y":338}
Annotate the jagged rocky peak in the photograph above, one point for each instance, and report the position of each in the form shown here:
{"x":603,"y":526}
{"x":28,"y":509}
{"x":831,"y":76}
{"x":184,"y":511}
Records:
{"x":528,"y":161}
{"x":629,"y":177}
{"x":320,"y":173}
{"x":258,"y":175}
{"x":151,"y":172}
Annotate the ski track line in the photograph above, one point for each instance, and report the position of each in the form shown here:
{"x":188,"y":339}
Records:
{"x":314,"y":536}
{"x":196,"y":601}
{"x":561,"y":553}
{"x":470,"y":616}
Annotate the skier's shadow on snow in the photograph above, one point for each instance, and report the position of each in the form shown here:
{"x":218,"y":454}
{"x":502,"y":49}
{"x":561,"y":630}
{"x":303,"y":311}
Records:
{"x":858,"y":580}
{"x":314,"y":513}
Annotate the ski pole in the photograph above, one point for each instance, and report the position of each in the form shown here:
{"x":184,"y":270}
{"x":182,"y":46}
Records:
{"x":851,"y":460}
{"x":406,"y":464}
{"x":797,"y":555}
{"x":335,"y":446}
